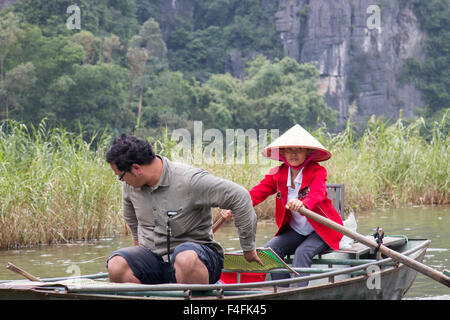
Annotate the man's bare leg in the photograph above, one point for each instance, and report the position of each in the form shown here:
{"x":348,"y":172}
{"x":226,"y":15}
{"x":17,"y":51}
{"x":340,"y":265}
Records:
{"x":120,"y":271}
{"x":190,"y":269}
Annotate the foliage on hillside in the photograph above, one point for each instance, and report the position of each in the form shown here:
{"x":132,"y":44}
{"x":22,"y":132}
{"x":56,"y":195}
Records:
{"x":117,"y":71}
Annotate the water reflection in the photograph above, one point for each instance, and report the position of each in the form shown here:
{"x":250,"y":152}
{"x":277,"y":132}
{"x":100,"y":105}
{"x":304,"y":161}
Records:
{"x":417,"y":222}
{"x":422,"y":223}
{"x":228,"y":237}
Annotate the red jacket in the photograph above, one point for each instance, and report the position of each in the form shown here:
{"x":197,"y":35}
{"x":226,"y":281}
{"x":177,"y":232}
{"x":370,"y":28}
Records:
{"x":314,"y":197}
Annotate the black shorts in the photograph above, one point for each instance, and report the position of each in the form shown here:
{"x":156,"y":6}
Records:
{"x":150,"y":268}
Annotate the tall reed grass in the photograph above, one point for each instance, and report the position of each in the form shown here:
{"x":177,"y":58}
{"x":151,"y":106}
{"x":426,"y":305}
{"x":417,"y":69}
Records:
{"x":56,"y":187}
{"x":391,"y":165}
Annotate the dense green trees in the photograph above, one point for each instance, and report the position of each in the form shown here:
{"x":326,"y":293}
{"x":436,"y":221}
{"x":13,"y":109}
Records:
{"x":431,"y":75}
{"x":200,"y":47}
{"x":272,"y":95}
{"x":117,"y":71}
{"x":101,"y":17}
{"x":92,"y":96}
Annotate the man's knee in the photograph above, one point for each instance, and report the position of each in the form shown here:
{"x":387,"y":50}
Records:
{"x":119,"y":270}
{"x":189,"y":268}
{"x":117,"y":263}
{"x":187,"y":259}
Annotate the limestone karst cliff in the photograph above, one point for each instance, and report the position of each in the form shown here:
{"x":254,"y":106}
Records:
{"x":359,"y":61}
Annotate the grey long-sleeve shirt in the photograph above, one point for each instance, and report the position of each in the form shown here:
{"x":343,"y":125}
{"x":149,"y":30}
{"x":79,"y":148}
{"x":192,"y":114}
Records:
{"x":191,"y":193}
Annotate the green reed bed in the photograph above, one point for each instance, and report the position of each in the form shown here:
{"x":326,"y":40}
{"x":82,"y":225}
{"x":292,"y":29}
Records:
{"x":388,"y":166}
{"x":54,"y":187}
{"x":391,"y":165}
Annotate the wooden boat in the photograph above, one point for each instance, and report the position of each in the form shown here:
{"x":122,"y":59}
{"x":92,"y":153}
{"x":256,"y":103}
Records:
{"x":343,"y":274}
{"x":354,"y":273}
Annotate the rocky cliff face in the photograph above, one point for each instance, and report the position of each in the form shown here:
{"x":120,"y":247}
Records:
{"x":359,"y":55}
{"x":6,"y":3}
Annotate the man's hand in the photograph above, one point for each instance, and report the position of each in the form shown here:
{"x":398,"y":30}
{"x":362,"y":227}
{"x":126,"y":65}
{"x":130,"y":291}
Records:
{"x":226,"y":214}
{"x":252,"y":256}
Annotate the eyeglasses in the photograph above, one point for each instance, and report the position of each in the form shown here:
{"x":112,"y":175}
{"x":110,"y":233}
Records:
{"x":122,"y":175}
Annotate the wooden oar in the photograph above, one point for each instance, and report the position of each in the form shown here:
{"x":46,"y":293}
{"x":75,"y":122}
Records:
{"x":22,"y":272}
{"x":413,"y":264}
{"x":218,"y":224}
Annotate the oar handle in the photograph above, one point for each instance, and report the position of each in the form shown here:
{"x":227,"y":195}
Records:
{"x":18,"y":270}
{"x":218,"y":224}
{"x":420,"y":267}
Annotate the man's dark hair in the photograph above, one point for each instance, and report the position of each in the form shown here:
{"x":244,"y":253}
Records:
{"x":127,"y":149}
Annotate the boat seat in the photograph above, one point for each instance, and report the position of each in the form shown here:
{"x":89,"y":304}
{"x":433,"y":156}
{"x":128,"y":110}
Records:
{"x":335,"y":192}
{"x":358,"y":249}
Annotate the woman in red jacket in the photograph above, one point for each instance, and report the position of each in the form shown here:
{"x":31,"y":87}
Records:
{"x":299,"y":181}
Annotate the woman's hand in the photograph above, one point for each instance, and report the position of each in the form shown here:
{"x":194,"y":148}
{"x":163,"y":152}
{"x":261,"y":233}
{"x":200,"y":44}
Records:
{"x":294,"y":205}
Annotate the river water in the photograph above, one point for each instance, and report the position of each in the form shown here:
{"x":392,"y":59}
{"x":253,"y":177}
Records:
{"x":430,"y":222}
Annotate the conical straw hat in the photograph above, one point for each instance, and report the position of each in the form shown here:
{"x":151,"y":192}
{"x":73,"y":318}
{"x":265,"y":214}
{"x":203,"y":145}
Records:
{"x":296,"y":137}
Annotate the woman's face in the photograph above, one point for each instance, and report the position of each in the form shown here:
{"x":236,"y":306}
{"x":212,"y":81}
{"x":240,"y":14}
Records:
{"x":294,"y":156}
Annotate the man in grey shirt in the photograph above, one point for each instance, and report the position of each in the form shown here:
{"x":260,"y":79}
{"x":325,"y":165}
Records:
{"x":167,"y":206}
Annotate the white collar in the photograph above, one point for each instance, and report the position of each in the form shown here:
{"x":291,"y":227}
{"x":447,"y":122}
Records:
{"x":298,"y":178}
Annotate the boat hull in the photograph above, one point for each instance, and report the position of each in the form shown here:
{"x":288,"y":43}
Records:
{"x":387,"y":283}
{"x":394,"y":284}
